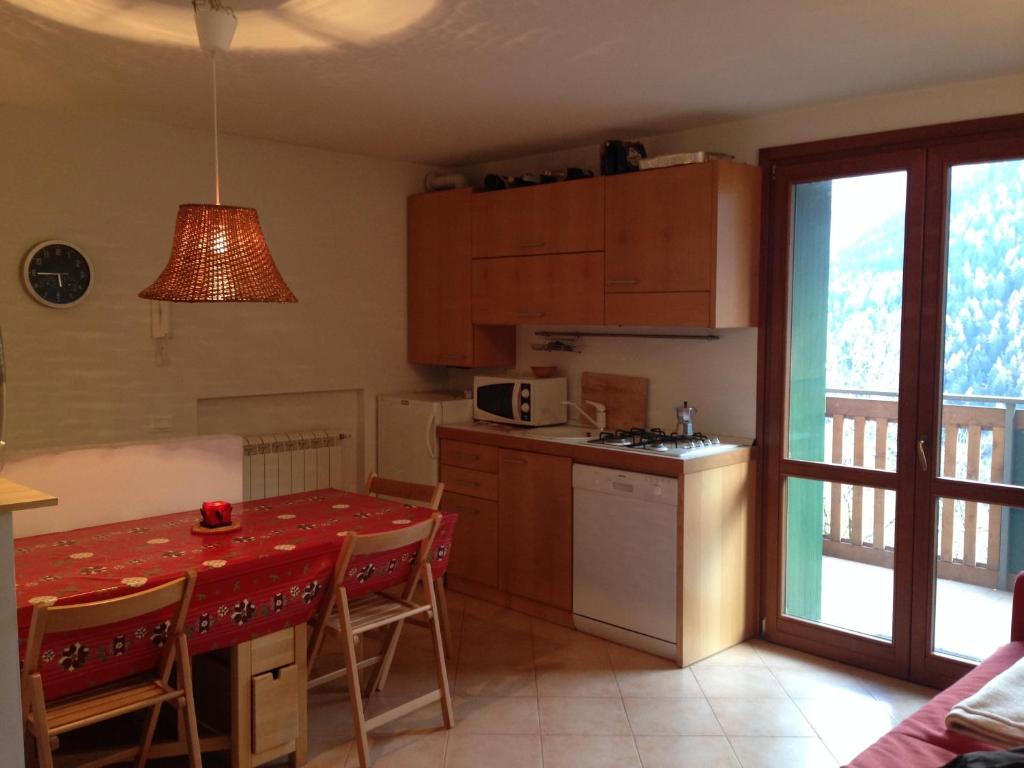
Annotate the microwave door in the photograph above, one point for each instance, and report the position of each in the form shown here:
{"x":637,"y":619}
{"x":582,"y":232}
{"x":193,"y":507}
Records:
{"x":497,"y":399}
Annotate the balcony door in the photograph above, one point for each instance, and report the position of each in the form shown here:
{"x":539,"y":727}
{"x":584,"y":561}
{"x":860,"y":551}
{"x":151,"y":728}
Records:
{"x":893,"y":402}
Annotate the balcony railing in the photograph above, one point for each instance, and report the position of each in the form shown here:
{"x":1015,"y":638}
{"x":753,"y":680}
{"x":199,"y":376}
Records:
{"x":976,"y":444}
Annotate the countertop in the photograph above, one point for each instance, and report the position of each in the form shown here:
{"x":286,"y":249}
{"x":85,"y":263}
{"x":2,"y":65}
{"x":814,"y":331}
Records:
{"x":523,"y":439}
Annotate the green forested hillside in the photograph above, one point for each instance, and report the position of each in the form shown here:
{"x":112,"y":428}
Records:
{"x":985,"y":292}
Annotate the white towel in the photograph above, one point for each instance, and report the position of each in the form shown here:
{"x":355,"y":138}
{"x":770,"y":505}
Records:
{"x":995,"y":714}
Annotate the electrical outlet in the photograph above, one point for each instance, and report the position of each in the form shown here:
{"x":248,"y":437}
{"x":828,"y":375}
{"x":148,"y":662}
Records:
{"x":161,"y":423}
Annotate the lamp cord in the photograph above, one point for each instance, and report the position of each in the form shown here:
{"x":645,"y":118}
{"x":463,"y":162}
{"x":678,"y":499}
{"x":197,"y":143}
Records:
{"x":216,"y":143}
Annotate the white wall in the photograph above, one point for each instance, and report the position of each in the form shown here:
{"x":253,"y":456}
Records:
{"x":91,"y":375}
{"x":719,"y":377}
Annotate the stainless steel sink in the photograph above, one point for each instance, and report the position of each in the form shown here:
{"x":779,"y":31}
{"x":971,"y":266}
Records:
{"x":560,"y":432}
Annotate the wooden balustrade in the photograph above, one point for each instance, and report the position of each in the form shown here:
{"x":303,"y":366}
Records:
{"x":979,"y":425}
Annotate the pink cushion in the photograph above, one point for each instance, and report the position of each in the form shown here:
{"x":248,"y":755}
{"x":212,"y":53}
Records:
{"x":922,"y":740}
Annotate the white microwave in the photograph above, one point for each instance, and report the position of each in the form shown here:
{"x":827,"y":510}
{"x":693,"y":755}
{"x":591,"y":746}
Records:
{"x":527,"y":402}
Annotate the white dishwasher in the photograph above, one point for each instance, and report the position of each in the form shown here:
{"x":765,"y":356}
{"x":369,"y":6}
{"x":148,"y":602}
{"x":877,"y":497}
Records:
{"x":624,"y":557}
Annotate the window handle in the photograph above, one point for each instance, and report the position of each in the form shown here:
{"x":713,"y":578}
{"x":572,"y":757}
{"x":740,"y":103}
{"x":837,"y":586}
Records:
{"x":922,"y":456}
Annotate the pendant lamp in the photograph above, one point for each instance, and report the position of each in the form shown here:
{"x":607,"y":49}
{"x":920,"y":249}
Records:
{"x":219,"y":252}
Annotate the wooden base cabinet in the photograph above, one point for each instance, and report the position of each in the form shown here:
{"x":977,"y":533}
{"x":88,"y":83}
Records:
{"x":441,"y":331}
{"x":535,"y":526}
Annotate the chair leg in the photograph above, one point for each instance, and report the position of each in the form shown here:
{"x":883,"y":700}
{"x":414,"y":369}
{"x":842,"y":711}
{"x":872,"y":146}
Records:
{"x":388,"y":656}
{"x":44,"y":752}
{"x":195,"y":757}
{"x":352,"y":674}
{"x":446,"y":625}
{"x":442,"y":669}
{"x":147,"y":736}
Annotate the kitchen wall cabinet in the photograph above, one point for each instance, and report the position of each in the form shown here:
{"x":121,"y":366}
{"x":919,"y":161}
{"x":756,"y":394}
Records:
{"x":559,"y":289}
{"x":535,"y":526}
{"x":441,"y":331}
{"x":681,"y":246}
{"x":550,"y":218}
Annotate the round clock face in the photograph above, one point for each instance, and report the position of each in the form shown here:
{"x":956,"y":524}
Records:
{"x":57,"y":274}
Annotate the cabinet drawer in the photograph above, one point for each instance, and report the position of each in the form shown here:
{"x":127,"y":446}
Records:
{"x":470,"y":482}
{"x":273,"y":651}
{"x":561,"y":288}
{"x":475,"y":548}
{"x":275,"y":718}
{"x":483,"y":458}
{"x":553,"y":218}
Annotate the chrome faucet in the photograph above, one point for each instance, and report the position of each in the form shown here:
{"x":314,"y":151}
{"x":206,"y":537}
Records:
{"x":601,"y":422}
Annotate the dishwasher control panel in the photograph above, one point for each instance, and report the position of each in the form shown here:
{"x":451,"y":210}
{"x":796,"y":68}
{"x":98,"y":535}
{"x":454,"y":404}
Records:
{"x":625,"y":484}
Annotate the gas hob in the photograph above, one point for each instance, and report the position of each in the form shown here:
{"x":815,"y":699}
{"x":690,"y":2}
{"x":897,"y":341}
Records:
{"x":655,"y":441}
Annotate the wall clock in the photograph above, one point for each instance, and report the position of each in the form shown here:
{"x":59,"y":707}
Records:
{"x":57,"y":274}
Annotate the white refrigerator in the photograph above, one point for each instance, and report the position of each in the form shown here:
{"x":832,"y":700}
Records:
{"x":407,"y":445}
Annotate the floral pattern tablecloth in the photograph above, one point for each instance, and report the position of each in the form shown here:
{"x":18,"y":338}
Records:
{"x":268,"y":575}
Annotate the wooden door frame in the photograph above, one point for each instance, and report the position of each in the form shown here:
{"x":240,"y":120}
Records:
{"x":879,"y":655}
{"x":774,"y":263}
{"x":926,"y":666}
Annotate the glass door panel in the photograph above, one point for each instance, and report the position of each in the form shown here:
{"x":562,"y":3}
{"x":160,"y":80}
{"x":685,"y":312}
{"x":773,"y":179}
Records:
{"x":982,"y":428}
{"x":849,"y":583}
{"x":979,"y":433}
{"x":972,"y":616}
{"x":846,"y":307}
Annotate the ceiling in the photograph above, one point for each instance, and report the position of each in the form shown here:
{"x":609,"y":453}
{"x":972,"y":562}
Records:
{"x":455,"y":81}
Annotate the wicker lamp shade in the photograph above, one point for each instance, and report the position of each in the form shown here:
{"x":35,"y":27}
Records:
{"x":219,"y":254}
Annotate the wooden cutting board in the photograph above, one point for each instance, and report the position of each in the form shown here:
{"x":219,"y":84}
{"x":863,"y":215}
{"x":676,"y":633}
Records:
{"x":625,"y":397}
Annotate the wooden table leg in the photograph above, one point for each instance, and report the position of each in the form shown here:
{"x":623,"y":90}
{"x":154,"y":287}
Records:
{"x":241,"y":706}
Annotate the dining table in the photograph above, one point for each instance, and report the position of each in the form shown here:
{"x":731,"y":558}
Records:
{"x":268,"y":574}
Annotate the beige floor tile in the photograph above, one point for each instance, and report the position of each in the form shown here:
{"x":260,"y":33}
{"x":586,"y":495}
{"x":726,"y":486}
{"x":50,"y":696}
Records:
{"x":760,"y":717}
{"x":722,"y":682}
{"x":589,"y":716}
{"x":503,"y":716}
{"x":779,"y":752}
{"x":623,"y":658}
{"x":579,"y":751}
{"x":407,"y":750}
{"x":475,"y":680}
{"x":576,"y":679}
{"x":672,"y":683}
{"x":862,"y":723}
{"x":671,"y":717}
{"x":469,"y":750}
{"x":742,"y":655}
{"x":686,"y":752}
{"x":820,"y":683}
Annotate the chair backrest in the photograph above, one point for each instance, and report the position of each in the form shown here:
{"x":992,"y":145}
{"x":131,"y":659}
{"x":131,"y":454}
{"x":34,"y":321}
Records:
{"x":428,"y":496}
{"x":370,"y":544}
{"x":47,"y":619}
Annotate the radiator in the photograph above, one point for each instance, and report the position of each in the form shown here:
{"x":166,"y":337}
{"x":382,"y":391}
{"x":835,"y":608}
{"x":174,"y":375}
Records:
{"x":292,"y":462}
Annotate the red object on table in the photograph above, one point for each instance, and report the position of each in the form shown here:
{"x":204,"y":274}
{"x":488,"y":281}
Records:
{"x":266,"y":577}
{"x":215,"y":513}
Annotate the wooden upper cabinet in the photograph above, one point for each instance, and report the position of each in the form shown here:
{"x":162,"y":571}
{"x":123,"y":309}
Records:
{"x":681,"y":245}
{"x":439,"y":287}
{"x":565,"y":217}
{"x":557,"y":288}
{"x":535,"y":526}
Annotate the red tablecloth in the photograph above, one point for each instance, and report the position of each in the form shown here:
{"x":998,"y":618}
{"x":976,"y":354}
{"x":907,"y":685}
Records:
{"x":266,"y":576}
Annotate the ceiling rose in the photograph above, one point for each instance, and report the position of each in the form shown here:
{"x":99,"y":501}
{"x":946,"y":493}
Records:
{"x":266,"y":25}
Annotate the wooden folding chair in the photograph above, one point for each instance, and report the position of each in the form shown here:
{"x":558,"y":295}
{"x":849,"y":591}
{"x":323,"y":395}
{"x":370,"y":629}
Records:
{"x":428,"y":496}
{"x":381,"y":610}
{"x":46,"y":721}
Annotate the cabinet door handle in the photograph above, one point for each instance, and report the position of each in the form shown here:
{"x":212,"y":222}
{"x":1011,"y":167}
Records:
{"x":621,"y":282}
{"x":513,"y":461}
{"x":524,"y":313}
{"x":536,"y":244}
